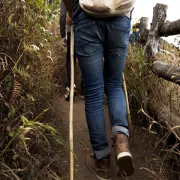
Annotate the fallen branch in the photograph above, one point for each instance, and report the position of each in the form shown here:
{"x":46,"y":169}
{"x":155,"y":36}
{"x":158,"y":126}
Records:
{"x":170,"y":28}
{"x":166,"y":71}
{"x":163,"y":115}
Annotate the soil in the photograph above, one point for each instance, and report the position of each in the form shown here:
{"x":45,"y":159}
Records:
{"x":141,"y":146}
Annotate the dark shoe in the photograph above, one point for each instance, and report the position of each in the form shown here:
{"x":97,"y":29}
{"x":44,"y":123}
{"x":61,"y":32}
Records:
{"x":82,"y":97}
{"x":65,"y":42}
{"x":67,"y":94}
{"x":125,"y":166}
{"x":101,"y":168}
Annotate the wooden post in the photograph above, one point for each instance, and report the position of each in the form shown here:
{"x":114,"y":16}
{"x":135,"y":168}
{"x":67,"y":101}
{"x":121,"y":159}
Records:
{"x":144,"y":22}
{"x":159,"y":17}
{"x":170,"y":28}
{"x":143,"y":29}
{"x":163,"y":115}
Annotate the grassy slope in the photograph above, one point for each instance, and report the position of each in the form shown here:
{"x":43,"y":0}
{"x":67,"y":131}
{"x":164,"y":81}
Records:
{"x":144,"y":86}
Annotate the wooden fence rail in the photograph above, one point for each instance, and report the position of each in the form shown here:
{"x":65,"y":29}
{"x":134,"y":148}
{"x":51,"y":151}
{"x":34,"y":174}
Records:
{"x":170,"y":28}
{"x":158,"y":29}
{"x":166,"y":71}
{"x":163,"y":70}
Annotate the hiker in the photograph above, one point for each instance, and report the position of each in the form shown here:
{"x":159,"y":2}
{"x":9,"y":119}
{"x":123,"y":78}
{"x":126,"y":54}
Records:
{"x":66,"y":42}
{"x":97,"y":38}
{"x":135,"y":34}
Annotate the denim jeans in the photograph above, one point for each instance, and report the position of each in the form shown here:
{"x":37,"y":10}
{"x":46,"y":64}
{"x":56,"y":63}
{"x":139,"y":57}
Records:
{"x":101,"y":46}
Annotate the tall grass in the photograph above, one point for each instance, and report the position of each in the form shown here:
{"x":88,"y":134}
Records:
{"x":30,"y":147}
{"x":144,"y":86}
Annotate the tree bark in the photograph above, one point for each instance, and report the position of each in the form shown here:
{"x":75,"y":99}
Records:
{"x":163,"y":115}
{"x":167,"y":71}
{"x":144,"y":23}
{"x":143,"y":29}
{"x":159,"y":17}
{"x":170,"y":28}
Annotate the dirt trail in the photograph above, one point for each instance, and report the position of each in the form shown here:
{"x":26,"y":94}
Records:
{"x":140,"y":145}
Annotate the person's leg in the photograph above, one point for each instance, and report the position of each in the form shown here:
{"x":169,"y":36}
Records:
{"x":89,"y":49}
{"x":68,"y":67}
{"x":75,"y":61}
{"x":68,"y":60}
{"x":117,"y":33}
{"x":82,"y":87}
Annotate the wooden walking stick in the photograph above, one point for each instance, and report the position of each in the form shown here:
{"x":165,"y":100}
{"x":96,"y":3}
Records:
{"x":71,"y":107}
{"x":127,"y":103}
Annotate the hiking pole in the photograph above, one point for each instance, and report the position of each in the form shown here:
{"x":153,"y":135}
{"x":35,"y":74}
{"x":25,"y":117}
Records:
{"x":127,"y":103}
{"x":71,"y":107}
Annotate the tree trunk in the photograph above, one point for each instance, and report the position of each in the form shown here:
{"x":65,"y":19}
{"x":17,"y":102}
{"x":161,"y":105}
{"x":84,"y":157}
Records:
{"x":143,"y":30}
{"x":167,"y":71}
{"x":159,"y":17}
{"x":163,"y":115}
{"x":144,"y":23}
{"x":170,"y":28}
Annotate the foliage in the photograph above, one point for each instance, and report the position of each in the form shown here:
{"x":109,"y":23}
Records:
{"x":26,"y":87}
{"x":144,"y":86}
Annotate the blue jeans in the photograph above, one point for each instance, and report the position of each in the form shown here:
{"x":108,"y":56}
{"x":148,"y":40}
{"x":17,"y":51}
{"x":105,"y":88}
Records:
{"x":96,"y":39}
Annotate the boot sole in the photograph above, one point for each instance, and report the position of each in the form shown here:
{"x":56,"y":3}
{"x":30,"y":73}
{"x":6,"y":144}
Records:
{"x":98,"y":177}
{"x":125,"y":166}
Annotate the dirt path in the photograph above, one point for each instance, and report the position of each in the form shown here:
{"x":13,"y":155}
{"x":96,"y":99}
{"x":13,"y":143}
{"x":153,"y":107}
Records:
{"x":140,"y":146}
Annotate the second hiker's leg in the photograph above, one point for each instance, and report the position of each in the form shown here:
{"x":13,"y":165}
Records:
{"x":68,"y":67}
{"x":68,"y":60}
{"x":117,"y":31}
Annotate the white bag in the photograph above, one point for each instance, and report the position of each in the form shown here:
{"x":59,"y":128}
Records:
{"x":107,"y":8}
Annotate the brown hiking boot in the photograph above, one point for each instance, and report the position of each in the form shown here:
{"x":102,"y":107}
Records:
{"x":101,"y":168}
{"x":125,"y":166}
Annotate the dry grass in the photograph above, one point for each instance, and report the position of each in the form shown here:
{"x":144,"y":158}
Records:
{"x":30,"y":147}
{"x":144,"y":86}
{"x":31,"y":70}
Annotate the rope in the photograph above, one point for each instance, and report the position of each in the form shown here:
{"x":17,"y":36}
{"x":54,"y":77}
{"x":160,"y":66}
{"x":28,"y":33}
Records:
{"x":71,"y":107}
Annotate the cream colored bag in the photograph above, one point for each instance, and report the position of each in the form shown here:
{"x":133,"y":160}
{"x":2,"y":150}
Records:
{"x":107,"y":8}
